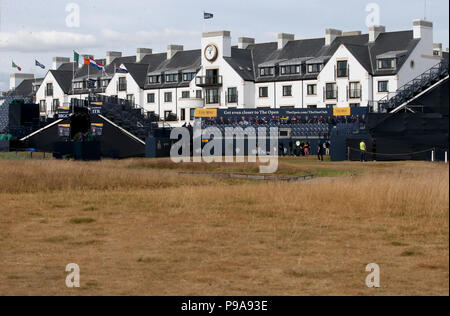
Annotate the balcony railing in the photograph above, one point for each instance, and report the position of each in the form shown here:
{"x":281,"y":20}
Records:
{"x":206,"y":81}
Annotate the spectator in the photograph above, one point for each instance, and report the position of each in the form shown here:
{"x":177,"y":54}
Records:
{"x":363,"y":148}
{"x":327,"y":148}
{"x":320,"y":151}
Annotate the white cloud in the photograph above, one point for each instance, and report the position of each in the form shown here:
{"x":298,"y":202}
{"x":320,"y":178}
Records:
{"x":42,"y":41}
{"x":164,"y":37}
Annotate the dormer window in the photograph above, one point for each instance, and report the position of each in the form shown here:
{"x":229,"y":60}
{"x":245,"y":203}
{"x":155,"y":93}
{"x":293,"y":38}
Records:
{"x":172,"y":78}
{"x":188,"y":76}
{"x":154,"y":79}
{"x":387,"y":63}
{"x":314,"y":68}
{"x":290,"y":70}
{"x":78,"y":85}
{"x":266,"y":71}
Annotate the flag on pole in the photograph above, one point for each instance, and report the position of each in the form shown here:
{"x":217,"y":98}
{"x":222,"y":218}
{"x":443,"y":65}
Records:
{"x":15,"y":66}
{"x":208,"y":16}
{"x":76,"y":57}
{"x":97,"y":65}
{"x":38,"y":64}
{"x":121,"y":70}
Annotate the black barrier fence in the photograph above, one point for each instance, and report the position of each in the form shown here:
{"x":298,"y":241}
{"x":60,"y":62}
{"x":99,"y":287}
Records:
{"x":4,"y":145}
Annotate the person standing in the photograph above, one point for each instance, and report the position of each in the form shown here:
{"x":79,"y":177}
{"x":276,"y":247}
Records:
{"x":327,"y":148}
{"x":320,"y":151}
{"x":363,"y":148}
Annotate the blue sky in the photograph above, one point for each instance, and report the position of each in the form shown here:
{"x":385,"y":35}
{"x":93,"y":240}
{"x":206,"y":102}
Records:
{"x":32,"y":29}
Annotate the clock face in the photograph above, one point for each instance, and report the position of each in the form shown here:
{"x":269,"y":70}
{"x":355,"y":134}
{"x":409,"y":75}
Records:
{"x":211,"y":52}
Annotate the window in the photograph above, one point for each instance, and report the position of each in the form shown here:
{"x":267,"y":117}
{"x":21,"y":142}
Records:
{"x":290,"y":70}
{"x":266,"y":71}
{"x":188,"y":76}
{"x":386,"y":63}
{"x":150,"y":98}
{"x":91,"y":84}
{"x":55,"y":105}
{"x":154,"y":79}
{"x":198,"y":94}
{"x":312,"y":89}
{"x":264,"y":92}
{"x":342,"y":69}
{"x":192,"y":114}
{"x":168,"y":97}
{"x":355,"y":90}
{"x":183,"y":114}
{"x":287,"y":91}
{"x":232,"y":95}
{"x":78,"y":85}
{"x":383,"y":86}
{"x":42,"y":106}
{"x":185,"y":94}
{"x":331,"y":91}
{"x":130,"y":98}
{"x":314,"y":68}
{"x":331,"y":106}
{"x":172,"y":78}
{"x":122,"y":84}
{"x":355,"y":105}
{"x":212,"y":96}
{"x":49,"y":90}
{"x":312,"y":106}
{"x":105,"y":83}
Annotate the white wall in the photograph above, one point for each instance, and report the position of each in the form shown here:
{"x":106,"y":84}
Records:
{"x":58,"y":93}
{"x":357,"y":73}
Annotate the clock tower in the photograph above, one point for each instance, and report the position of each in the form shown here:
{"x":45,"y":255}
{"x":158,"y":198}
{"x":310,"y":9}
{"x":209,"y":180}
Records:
{"x":215,"y":46}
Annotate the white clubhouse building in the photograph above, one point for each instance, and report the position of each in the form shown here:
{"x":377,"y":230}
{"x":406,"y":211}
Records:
{"x":341,"y":69}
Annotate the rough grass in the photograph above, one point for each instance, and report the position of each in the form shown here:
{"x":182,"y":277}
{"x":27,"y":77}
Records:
{"x":154,"y":232}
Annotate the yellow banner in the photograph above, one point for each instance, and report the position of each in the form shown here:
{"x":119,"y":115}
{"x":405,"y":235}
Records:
{"x":342,"y":111}
{"x":97,"y":124}
{"x":64,"y":108}
{"x":205,"y":112}
{"x":64,"y":125}
{"x":96,"y":103}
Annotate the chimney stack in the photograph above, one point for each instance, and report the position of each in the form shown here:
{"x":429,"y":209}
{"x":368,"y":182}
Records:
{"x":375,"y":31}
{"x":142,"y":52}
{"x":330,"y":36}
{"x":58,"y":61}
{"x":437,"y":49}
{"x":17,"y":78}
{"x":284,"y":38}
{"x":352,"y":33}
{"x":173,"y":49}
{"x":244,"y":42}
{"x":422,"y":29}
{"x":110,"y":56}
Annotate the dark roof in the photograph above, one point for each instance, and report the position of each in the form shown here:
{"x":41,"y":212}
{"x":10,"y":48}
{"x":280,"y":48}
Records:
{"x":68,"y":67}
{"x":64,"y":79}
{"x":189,"y":60}
{"x":25,"y":88}
{"x":300,"y":50}
{"x":138,"y":71}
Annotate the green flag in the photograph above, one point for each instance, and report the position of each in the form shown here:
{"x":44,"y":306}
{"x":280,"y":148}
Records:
{"x":76,"y":57}
{"x":15,"y":66}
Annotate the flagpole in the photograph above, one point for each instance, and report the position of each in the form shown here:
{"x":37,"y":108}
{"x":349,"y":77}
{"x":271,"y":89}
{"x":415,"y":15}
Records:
{"x":73,"y":80}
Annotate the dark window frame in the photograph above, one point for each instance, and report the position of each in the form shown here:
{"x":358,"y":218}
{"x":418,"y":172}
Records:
{"x":287,"y":91}
{"x":263,"y":89}
{"x":380,"y":85}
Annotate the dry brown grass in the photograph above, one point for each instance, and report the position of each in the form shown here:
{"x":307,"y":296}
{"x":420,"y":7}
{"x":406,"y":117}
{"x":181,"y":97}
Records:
{"x":145,"y":231}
